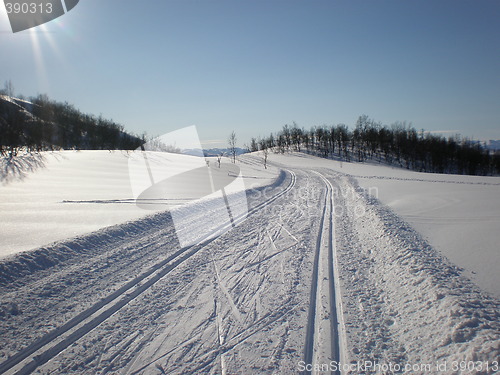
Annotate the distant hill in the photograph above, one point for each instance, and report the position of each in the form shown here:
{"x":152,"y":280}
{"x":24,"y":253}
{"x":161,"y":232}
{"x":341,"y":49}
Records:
{"x":399,"y":144}
{"x":493,"y":145}
{"x":41,"y":124}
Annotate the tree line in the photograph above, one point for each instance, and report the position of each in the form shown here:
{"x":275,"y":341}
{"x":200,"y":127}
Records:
{"x":399,"y":144}
{"x":43,"y":124}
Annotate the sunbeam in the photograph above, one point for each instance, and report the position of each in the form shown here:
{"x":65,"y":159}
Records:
{"x":41,"y":71}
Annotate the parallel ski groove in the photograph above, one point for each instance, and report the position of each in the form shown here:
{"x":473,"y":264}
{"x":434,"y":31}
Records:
{"x":311,"y":320}
{"x":161,"y":269}
{"x":312,"y":342}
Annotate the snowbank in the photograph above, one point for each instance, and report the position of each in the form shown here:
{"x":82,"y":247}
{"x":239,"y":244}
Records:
{"x":405,"y":303}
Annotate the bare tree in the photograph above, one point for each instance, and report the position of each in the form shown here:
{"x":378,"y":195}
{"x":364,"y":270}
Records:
{"x":9,"y":88}
{"x":219,"y":157}
{"x":254,"y":145}
{"x":265,"y":151}
{"x":232,"y":145}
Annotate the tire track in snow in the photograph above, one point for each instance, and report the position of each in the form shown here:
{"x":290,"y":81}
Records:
{"x":62,"y":337}
{"x":322,"y":333}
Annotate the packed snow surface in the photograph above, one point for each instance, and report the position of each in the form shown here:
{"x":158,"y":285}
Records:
{"x":53,"y":196}
{"x":326,"y":268}
{"x":458,"y":215}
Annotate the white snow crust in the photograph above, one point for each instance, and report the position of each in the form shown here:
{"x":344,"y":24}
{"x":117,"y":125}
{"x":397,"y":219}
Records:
{"x":123,"y":296}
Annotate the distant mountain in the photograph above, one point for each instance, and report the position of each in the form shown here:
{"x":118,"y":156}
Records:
{"x":193,"y":152}
{"x":213,"y":152}
{"x":493,"y":145}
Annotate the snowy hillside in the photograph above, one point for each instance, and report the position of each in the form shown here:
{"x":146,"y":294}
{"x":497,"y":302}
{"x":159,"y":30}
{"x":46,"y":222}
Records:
{"x":53,"y":196}
{"x":331,"y":266}
{"x":458,"y":215}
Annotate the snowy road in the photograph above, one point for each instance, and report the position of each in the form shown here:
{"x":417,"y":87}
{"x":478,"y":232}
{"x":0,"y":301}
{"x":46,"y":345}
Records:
{"x":317,"y":272}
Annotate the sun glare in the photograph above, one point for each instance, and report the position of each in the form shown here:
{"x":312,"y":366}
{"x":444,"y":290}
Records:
{"x":41,"y":36}
{"x":41,"y":72}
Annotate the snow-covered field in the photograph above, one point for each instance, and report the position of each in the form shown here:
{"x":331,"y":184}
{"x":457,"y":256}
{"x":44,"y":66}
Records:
{"x":458,"y":215}
{"x":319,"y":272}
{"x":54,"y":196}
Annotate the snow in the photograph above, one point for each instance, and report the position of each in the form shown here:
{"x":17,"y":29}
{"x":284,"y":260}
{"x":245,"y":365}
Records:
{"x":315,"y":262}
{"x":426,"y":311}
{"x":458,"y":215}
{"x":55,"y":196}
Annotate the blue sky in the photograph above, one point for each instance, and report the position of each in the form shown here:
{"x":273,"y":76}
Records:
{"x":254,"y":65}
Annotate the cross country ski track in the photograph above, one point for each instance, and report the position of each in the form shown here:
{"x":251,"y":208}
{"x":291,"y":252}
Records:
{"x":56,"y":341}
{"x":322,"y":336}
{"x":318,"y":272}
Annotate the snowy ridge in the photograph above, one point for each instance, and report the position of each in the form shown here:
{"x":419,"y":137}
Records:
{"x":399,"y":293}
{"x":16,"y":268}
{"x":24,"y":107}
